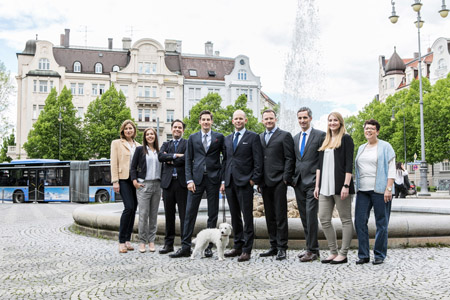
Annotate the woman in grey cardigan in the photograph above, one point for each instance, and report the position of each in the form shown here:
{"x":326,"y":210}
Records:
{"x":334,"y":186}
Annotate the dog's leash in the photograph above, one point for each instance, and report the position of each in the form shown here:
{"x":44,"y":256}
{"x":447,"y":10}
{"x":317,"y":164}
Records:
{"x":223,"y":208}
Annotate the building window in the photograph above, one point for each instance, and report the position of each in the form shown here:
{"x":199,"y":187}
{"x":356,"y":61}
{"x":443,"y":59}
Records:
{"x":146,"y":68}
{"x":94,"y":89}
{"x":195,"y":94}
{"x":77,"y":67}
{"x":37,"y":110}
{"x":153,"y":115}
{"x":98,"y":68}
{"x":81,"y":89}
{"x":169,"y":136}
{"x":210,"y":91}
{"x":441,"y":64}
{"x":34,"y":85}
{"x":34,"y":111}
{"x":43,"y":86}
{"x":250,"y":95}
{"x":154,"y":89}
{"x":193,"y":73}
{"x":80,"y":112}
{"x":170,"y":93}
{"x":445,"y":166}
{"x":124,"y":89}
{"x":242,"y":75}
{"x":116,"y":68}
{"x":101,"y":89}
{"x":73,"y":88}
{"x":153,"y":68}
{"x":51,"y":85}
{"x":147,"y":115}
{"x":391,"y":83}
{"x":147,"y":91}
{"x":170,"y":114}
{"x":44,"y":64}
{"x":140,"y":115}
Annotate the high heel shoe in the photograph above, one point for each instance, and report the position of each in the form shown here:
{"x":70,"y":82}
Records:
{"x":151,"y":247}
{"x":122,"y":248}
{"x":129,"y":246}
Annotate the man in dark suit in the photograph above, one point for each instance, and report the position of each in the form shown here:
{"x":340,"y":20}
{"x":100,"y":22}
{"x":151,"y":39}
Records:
{"x":203,"y":173}
{"x":306,"y":144}
{"x":279,"y":159}
{"x":173,"y":182}
{"x":243,"y":169}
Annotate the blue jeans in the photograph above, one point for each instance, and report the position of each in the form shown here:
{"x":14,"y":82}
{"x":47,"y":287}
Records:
{"x":364,"y":203}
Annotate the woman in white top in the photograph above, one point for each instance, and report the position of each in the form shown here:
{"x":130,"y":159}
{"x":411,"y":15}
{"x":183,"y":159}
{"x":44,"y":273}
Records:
{"x":146,"y":177}
{"x":334,"y":186}
{"x":400,"y":187}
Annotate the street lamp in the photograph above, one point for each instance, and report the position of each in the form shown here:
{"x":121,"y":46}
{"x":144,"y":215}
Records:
{"x":60,"y":121}
{"x":404,"y":129}
{"x":417,"y":5}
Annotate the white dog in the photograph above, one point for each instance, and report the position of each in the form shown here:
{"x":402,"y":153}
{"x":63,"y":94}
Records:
{"x":220,"y":237}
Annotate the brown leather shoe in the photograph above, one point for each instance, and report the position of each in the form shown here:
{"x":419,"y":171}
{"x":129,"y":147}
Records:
{"x":233,"y":253}
{"x":309,"y":256}
{"x":244,"y":257}
{"x":129,"y":246}
{"x":300,"y":255}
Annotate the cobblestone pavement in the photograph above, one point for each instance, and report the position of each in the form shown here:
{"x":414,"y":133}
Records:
{"x":41,"y":259}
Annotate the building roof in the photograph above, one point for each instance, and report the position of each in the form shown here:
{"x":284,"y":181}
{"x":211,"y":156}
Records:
{"x":30,"y":48}
{"x":395,"y":64}
{"x":88,"y":57}
{"x":267,"y":98}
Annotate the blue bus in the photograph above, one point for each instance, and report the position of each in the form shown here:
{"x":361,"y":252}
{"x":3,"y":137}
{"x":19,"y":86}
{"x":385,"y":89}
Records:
{"x":50,"y":180}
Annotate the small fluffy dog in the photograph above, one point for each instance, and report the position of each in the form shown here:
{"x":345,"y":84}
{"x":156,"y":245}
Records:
{"x":220,"y":237}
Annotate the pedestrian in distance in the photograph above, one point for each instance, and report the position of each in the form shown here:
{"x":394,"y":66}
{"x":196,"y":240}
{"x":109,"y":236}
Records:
{"x":122,"y":151}
{"x":334,"y":186}
{"x":401,"y":189}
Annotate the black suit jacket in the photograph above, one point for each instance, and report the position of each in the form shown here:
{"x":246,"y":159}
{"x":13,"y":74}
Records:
{"x":246,"y":162}
{"x":306,"y":165}
{"x":197,"y":158}
{"x":138,"y":167}
{"x":279,"y":157}
{"x":166,"y":156}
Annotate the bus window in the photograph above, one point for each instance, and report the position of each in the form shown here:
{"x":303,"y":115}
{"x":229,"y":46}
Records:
{"x":99,"y":175}
{"x":4,"y":178}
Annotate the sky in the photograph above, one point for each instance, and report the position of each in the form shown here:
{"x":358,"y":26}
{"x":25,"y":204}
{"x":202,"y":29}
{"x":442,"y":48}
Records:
{"x":352,"y":35}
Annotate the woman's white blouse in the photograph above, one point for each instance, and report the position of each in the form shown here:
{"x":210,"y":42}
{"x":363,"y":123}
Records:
{"x":327,"y":187}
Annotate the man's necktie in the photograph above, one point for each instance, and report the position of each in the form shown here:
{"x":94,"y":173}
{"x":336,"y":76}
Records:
{"x":302,"y":147}
{"x":236,"y":139}
{"x":175,"y":145}
{"x":205,"y":142}
{"x":268,"y":134}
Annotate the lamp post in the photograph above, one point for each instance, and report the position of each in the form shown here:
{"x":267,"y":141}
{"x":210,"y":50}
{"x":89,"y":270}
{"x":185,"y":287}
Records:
{"x":404,"y":130}
{"x":60,"y":121}
{"x":416,"y":6}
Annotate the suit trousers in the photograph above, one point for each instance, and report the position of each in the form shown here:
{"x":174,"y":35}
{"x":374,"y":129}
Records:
{"x":240,"y":201}
{"x":344,"y":207}
{"x":275,"y":209}
{"x":308,"y":207}
{"x":174,"y":195}
{"x":129,"y":200}
{"x":148,"y":198}
{"x":192,"y":205}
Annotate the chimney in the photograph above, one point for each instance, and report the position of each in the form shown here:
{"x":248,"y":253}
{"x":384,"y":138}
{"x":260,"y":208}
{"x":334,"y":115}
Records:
{"x":178,"y":46}
{"x":217,"y":53}
{"x":67,"y":38}
{"x":428,"y":50}
{"x":416,"y":55}
{"x":209,"y":48}
{"x":61,"y":39}
{"x":110,"y":44}
{"x":126,"y":43}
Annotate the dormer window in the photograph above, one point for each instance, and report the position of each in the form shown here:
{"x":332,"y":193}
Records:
{"x":44,"y":64}
{"x":98,"y":68}
{"x":242,"y":75}
{"x":115,"y":68}
{"x":77,"y":67}
{"x":212,"y":73}
{"x":193,"y":73}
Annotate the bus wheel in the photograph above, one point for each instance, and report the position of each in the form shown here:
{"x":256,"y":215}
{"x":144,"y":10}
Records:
{"x":18,"y":197}
{"x":102,"y":196}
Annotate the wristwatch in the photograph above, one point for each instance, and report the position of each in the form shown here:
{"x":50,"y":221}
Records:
{"x":389,"y":189}
{"x":346,"y":186}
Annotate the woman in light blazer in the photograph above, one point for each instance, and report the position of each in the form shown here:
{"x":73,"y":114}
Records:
{"x":146,"y":176}
{"x":334,"y":186}
{"x":122,"y":151}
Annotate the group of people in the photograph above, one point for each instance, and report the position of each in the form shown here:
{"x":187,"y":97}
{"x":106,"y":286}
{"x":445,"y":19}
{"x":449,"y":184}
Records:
{"x":317,"y":164}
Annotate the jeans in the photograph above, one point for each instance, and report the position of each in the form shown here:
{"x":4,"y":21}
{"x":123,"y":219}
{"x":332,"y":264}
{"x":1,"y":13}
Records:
{"x":365,"y":200}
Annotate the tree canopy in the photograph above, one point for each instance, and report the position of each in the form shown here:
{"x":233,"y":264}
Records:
{"x":6,"y":88}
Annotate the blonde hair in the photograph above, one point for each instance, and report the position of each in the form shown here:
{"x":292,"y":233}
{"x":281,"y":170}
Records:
{"x":336,"y":143}
{"x":122,"y":129}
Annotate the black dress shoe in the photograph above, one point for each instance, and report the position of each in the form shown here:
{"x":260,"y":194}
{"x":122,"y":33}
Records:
{"x":208,"y":252}
{"x":270,"y":252}
{"x":362,"y":261}
{"x":181,"y":253}
{"x":337,"y":262}
{"x":281,"y":255}
{"x":166,"y":249}
{"x":377,"y":261}
{"x":244,"y":257}
{"x":233,"y":253}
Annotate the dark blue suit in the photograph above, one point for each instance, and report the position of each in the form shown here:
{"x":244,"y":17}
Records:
{"x":242,"y":165}
{"x":205,"y":169}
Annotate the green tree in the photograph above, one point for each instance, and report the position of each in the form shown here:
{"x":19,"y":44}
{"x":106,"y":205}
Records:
{"x":252,"y":124}
{"x":102,"y":122}
{"x":43,"y":139}
{"x":6,"y":88}
{"x":9,"y":141}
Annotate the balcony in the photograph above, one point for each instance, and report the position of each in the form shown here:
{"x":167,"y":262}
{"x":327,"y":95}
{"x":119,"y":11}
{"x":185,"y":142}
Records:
{"x":148,"y":101}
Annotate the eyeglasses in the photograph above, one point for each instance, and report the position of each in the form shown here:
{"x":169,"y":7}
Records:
{"x":370,"y":129}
